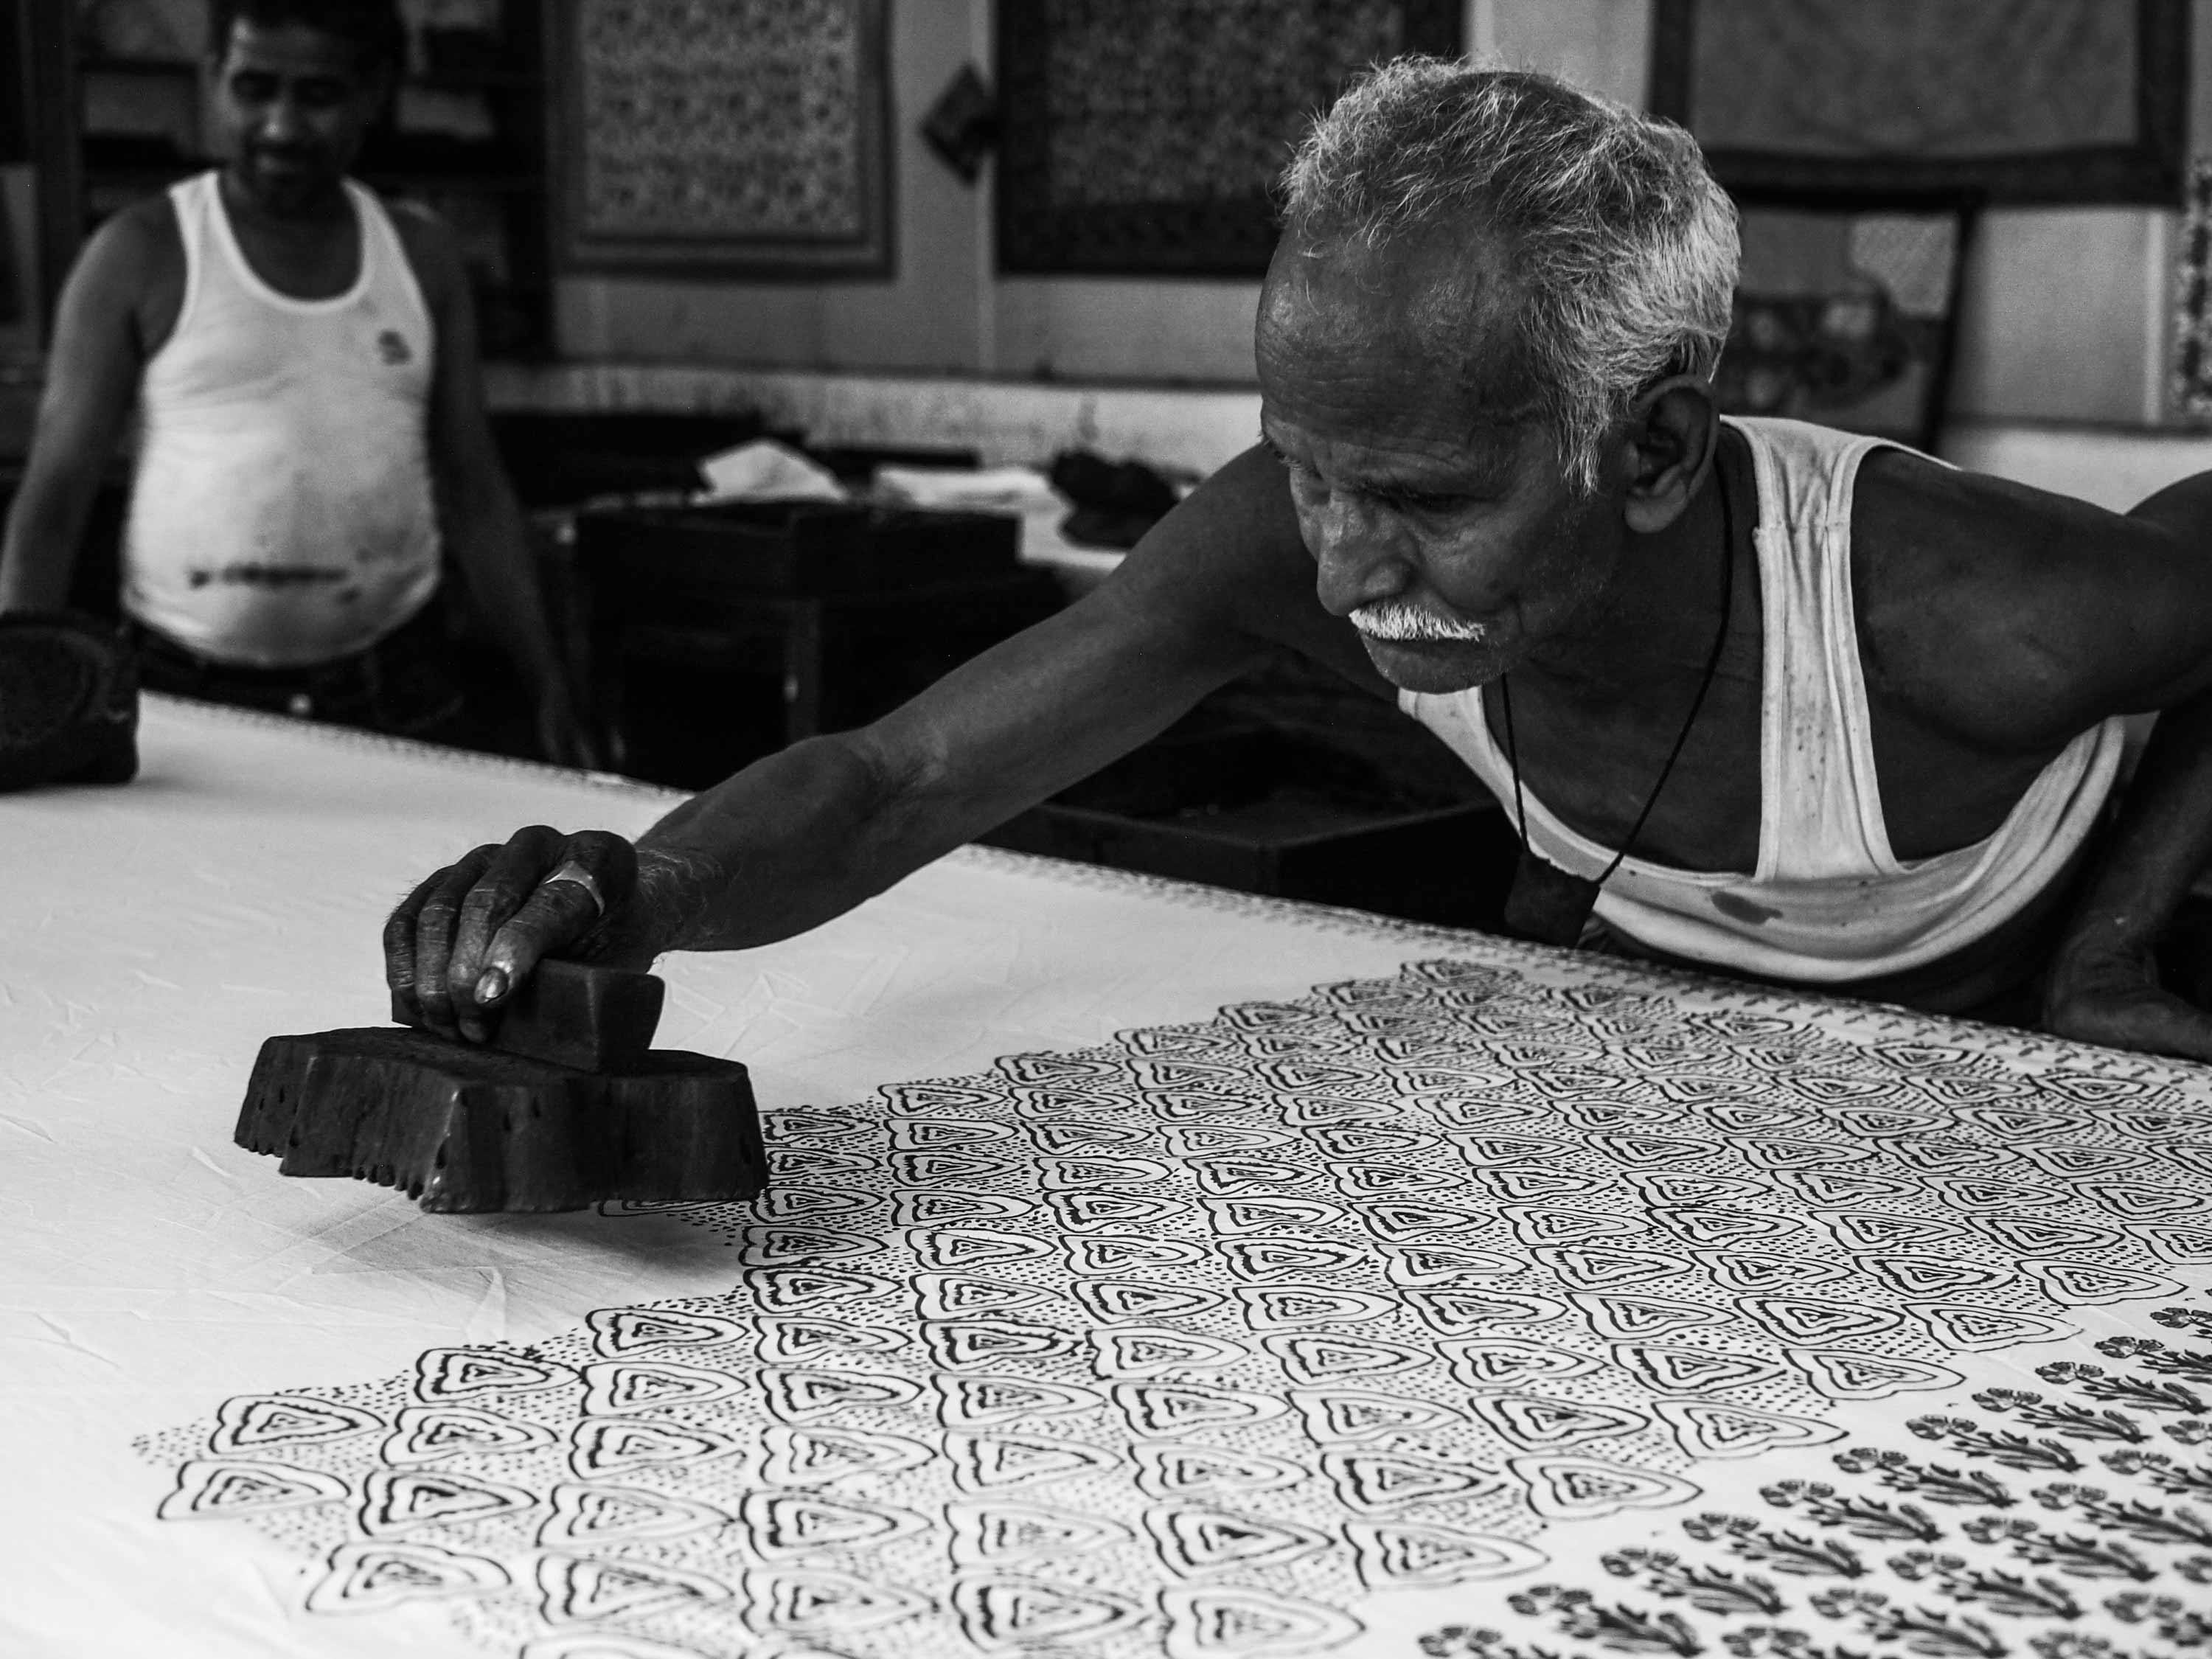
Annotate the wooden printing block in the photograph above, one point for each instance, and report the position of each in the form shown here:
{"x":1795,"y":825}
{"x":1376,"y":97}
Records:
{"x":464,"y":1128}
{"x":595,"y":1019}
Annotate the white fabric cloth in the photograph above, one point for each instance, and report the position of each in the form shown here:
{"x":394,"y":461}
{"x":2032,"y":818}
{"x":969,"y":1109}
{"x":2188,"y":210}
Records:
{"x":1829,"y":901}
{"x":282,"y":512}
{"x":152,"y":936}
{"x":1614,"y":1194}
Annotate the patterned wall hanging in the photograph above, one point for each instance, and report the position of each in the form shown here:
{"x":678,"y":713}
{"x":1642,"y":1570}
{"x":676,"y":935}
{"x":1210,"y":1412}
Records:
{"x":1144,"y":136}
{"x":2024,"y":100}
{"x":740,"y":137}
{"x":1845,"y":313}
{"x":2192,"y":303}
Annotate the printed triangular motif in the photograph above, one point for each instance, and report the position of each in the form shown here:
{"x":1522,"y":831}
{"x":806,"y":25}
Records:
{"x":1122,"y":1253}
{"x":1220,"y":1623}
{"x":1636,"y":1318}
{"x":1574,"y":1488}
{"x":810,"y":1456}
{"x":614,"y":1386}
{"x":457,"y":1373}
{"x":820,"y":1342}
{"x":420,"y":1434}
{"x":254,"y":1422}
{"x":1182,"y":1469}
{"x":971,"y":1402}
{"x":1149,"y":1350}
{"x":1713,"y":1429}
{"x":400,"y":1500}
{"x":1931,"y":1275}
{"x":1722,"y":1226}
{"x":1355,"y":1414}
{"x":1108,"y":1300}
{"x":1281,"y":1307}
{"x":798,"y":1289}
{"x":605,"y":1446}
{"x":798,"y":1395}
{"x":1802,"y":1320}
{"x":788,"y":1525}
{"x":1966,"y":1328}
{"x":982,"y":1462}
{"x":1422,"y":1266}
{"x":997,"y":1613}
{"x":1160,"y":1409}
{"x":209,"y":1486}
{"x":827,"y":1604}
{"x":1270,"y":1258}
{"x":1371,"y":1482}
{"x":1495,"y":1362}
{"x":1399,"y":1555}
{"x":586,"y":1515}
{"x":997,"y":1534}
{"x":1861,"y":1231}
{"x":371,"y":1576}
{"x":1847,"y":1374}
{"x":956,"y":1296}
{"x":1462,"y":1313}
{"x":966,"y":1344}
{"x":1232,"y":1216}
{"x":1536,"y":1423}
{"x":1673,"y":1370}
{"x":2090,"y":1284}
{"x":961,"y":1249}
{"x":1194,"y":1540}
{"x":1318,"y":1356}
{"x":619,"y":1331}
{"x":1602,"y":1267}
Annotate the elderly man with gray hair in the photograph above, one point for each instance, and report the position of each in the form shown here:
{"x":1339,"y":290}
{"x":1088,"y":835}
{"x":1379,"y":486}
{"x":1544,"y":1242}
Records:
{"x":1760,"y":696}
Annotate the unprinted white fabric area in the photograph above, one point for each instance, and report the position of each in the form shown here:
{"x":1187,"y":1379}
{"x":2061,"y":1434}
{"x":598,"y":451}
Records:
{"x":152,"y":936}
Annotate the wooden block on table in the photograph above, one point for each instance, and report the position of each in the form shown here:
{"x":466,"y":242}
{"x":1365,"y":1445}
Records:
{"x":573,"y":1013}
{"x":464,"y":1128}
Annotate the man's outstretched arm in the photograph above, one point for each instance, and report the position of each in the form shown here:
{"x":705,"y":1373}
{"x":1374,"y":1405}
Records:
{"x":2102,"y":986}
{"x":807,"y":833}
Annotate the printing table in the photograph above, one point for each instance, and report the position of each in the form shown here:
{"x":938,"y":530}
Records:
{"x":1149,"y":1270}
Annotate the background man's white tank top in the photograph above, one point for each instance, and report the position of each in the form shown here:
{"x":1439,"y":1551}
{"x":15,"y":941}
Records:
{"x":282,"y":512}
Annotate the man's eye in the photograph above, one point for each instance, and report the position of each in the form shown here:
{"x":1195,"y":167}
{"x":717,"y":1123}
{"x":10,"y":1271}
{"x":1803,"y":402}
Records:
{"x":253,"y":88}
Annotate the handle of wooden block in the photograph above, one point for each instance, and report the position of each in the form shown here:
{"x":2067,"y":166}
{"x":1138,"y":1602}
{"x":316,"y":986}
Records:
{"x":574,"y":1013}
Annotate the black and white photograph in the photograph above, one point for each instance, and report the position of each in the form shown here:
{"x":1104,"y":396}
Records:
{"x":1106,"y":828}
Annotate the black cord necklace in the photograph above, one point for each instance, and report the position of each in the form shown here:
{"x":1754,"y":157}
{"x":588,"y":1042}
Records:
{"x":1547,"y":904}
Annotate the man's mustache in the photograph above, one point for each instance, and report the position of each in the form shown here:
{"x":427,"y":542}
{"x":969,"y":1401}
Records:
{"x":1393,"y":619}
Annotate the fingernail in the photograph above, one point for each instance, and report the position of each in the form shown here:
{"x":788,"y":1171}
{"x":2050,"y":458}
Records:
{"x":492,"y":987}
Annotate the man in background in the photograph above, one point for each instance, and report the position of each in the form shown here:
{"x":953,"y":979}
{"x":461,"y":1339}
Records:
{"x":313,"y":442}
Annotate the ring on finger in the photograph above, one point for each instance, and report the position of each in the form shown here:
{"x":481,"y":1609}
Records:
{"x":576,"y":873}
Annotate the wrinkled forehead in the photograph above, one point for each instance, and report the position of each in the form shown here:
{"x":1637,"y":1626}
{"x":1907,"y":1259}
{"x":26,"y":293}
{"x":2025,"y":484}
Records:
{"x":1441,"y":310}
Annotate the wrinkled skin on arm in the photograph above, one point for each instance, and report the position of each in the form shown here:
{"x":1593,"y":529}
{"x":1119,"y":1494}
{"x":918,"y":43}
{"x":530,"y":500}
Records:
{"x":2010,"y":620}
{"x":809,"y":832}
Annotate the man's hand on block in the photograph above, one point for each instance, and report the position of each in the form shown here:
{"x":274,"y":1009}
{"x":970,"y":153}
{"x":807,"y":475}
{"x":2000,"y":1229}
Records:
{"x":572,"y":1013}
{"x":459,"y":946}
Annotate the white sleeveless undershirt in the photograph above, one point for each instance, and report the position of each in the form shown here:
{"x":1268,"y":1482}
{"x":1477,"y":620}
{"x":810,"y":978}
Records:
{"x":282,"y":513}
{"x":1829,"y":901}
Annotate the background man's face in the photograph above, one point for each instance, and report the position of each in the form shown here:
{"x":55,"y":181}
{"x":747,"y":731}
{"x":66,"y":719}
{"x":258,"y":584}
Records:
{"x":1426,"y":488}
{"x":292,"y":105}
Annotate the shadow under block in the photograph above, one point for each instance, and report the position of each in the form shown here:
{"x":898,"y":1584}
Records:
{"x":468,"y":1129}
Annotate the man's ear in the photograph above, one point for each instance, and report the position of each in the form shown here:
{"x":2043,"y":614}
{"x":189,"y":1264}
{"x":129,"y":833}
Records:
{"x":1673,"y":431}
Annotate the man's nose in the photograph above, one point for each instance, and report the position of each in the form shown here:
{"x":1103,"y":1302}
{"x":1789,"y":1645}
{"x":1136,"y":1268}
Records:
{"x":1356,"y":555}
{"x":281,"y":122}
